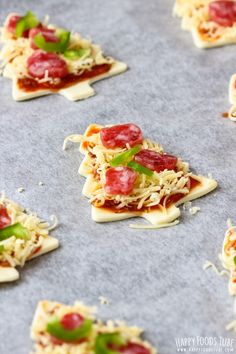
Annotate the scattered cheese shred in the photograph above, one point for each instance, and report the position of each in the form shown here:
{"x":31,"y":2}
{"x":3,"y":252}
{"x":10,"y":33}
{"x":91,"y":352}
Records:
{"x":20,"y":190}
{"x":160,"y":226}
{"x":103,"y":300}
{"x":194,"y":210}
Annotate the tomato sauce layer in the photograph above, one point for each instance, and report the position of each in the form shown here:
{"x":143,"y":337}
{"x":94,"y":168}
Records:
{"x":31,"y":85}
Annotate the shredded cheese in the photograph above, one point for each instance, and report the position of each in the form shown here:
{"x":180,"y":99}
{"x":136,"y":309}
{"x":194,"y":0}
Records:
{"x":160,"y":226}
{"x":17,"y":251}
{"x":46,"y":310}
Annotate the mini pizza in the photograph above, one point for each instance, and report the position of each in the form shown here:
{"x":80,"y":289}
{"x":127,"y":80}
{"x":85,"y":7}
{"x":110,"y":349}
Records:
{"x":23,"y":236}
{"x":130,"y":176}
{"x":42,"y":59}
{"x":58,"y":328}
{"x":228,"y":256}
{"x":212,"y":23}
{"x":228,"y":260}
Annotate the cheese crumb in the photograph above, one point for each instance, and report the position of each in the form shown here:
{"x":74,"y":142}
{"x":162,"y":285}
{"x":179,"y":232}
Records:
{"x":210,"y":175}
{"x":20,"y":189}
{"x":103,"y":300}
{"x":194,"y":210}
{"x":41,"y":183}
{"x":187,"y":205}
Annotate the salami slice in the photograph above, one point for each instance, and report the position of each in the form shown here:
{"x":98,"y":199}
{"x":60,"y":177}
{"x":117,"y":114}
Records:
{"x":5,"y":219}
{"x":155,"y":161}
{"x":134,"y":348}
{"x":71,"y":321}
{"x":11,"y":25}
{"x":48,"y":34}
{"x":120,"y":180}
{"x":40,"y":61}
{"x":223,"y":12}
{"x":120,"y":135}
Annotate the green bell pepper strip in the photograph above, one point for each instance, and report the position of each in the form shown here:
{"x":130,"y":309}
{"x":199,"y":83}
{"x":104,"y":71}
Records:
{"x":60,"y":46}
{"x":235,"y":260}
{"x":103,"y":340}
{"x":74,"y":54}
{"x":124,"y":157}
{"x":56,"y":329}
{"x":2,"y":249}
{"x":17,"y":230}
{"x":26,"y":22}
{"x":139,"y":168}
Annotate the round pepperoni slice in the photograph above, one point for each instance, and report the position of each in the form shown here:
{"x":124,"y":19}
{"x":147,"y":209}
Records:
{"x":223,"y":12}
{"x":155,"y":161}
{"x":40,"y":61}
{"x":120,"y":135}
{"x":48,"y":34}
{"x":134,"y":348}
{"x":11,"y":25}
{"x":72,"y":321}
{"x":5,"y":219}
{"x":120,"y":180}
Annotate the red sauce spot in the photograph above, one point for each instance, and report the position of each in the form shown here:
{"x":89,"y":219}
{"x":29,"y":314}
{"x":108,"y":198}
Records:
{"x":36,"y":250}
{"x":93,"y":130}
{"x":32,"y":85}
{"x":225,"y":115}
{"x":5,"y":264}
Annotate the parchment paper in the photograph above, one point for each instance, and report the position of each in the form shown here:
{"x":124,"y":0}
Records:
{"x":176,"y":93}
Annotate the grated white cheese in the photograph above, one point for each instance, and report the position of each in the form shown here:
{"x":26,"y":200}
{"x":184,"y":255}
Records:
{"x":20,"y":189}
{"x":160,"y":226}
